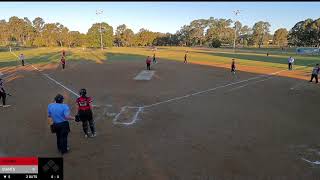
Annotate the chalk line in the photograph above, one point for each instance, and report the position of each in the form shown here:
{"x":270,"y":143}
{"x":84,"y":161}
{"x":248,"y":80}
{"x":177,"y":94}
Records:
{"x":239,"y":87}
{"x":55,"y":81}
{"x":201,"y":92}
{"x":219,"y":87}
{"x":312,"y":162}
{"x":61,"y":85}
{"x":6,"y":77}
{"x":141,"y":108}
{"x":134,"y":119}
{"x":211,"y":89}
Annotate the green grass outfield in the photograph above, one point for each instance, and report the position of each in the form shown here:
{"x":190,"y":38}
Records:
{"x":245,"y":56}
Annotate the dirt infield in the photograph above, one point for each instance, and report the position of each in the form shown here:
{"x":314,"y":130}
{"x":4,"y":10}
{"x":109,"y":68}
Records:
{"x":246,"y":127}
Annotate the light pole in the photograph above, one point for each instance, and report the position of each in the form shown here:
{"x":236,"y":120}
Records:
{"x":237,"y":12}
{"x":98,"y":12}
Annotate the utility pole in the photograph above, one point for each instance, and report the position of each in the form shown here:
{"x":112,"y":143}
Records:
{"x":237,"y":12}
{"x":98,"y":12}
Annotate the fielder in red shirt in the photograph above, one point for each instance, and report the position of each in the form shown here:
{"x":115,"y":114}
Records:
{"x":85,"y":113}
{"x":148,"y":62}
{"x":63,"y":62}
{"x":63,"y":53}
{"x":233,"y":66}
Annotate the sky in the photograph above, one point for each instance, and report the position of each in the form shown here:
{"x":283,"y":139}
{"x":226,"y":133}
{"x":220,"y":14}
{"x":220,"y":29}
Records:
{"x":160,"y":16}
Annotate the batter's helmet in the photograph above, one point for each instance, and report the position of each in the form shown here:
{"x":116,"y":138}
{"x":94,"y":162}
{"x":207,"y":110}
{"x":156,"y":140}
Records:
{"x":83,"y":92}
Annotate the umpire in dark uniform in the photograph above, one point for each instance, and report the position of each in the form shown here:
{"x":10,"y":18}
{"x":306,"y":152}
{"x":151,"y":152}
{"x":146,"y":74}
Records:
{"x":59,"y":114}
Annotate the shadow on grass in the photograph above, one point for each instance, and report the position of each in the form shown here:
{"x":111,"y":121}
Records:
{"x":311,"y":61}
{"x":44,"y":58}
{"x":7,"y":49}
{"x":124,"y":57}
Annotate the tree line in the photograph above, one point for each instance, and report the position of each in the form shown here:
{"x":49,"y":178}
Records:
{"x":210,"y":32}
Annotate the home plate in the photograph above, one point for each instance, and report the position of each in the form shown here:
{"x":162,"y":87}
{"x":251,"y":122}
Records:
{"x":144,"y":75}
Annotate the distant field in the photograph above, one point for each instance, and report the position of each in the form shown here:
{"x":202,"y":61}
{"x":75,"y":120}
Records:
{"x":251,"y":57}
{"x":189,"y":121}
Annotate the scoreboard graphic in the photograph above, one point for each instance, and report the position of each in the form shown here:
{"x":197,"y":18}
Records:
{"x":36,"y":168}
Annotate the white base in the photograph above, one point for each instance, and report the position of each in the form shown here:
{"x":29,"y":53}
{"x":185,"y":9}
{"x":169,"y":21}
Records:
{"x":144,"y":75}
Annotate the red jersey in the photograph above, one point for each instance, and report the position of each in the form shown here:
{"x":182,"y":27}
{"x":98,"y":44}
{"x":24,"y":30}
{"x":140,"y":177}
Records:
{"x":233,"y":65}
{"x":84,"y":103}
{"x":63,"y":53}
{"x":63,"y":61}
{"x":148,"y":61}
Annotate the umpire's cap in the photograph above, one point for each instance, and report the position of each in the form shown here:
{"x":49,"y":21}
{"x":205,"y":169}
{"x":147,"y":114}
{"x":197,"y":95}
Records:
{"x":59,"y":98}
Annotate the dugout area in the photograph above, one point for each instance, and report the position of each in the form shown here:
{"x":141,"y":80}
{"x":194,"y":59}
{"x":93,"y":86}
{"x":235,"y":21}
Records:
{"x":250,"y":129}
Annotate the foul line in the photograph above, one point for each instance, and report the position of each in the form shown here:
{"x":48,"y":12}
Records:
{"x":219,"y":87}
{"x":141,"y":108}
{"x":239,"y":87}
{"x":46,"y":75}
{"x":61,"y":85}
{"x":212,"y":89}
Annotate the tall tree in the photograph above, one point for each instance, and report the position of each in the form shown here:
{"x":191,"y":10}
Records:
{"x":38,"y":24}
{"x":16,"y":28}
{"x":196,"y":31}
{"x":124,"y":36}
{"x":305,"y":33}
{"x":260,"y":33}
{"x":280,"y":37}
{"x":51,"y":34}
{"x":145,"y":37}
{"x":220,"y":30}
{"x":93,"y":35}
{"x":245,"y":37}
{"x":5,"y":33}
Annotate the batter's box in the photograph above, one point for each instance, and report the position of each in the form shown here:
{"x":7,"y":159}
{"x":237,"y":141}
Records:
{"x":127,"y":115}
{"x":145,"y":75}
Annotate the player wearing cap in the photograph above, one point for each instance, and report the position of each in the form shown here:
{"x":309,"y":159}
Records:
{"x":85,"y":113}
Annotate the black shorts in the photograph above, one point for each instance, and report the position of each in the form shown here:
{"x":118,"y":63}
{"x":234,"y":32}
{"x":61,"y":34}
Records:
{"x":85,"y":115}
